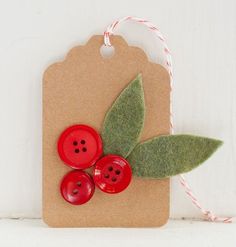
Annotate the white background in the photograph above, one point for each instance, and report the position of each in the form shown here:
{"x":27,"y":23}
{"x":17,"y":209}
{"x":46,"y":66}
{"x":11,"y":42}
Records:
{"x":202,"y":37}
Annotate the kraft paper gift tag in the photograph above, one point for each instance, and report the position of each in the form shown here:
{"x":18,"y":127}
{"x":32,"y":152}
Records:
{"x":80,"y":90}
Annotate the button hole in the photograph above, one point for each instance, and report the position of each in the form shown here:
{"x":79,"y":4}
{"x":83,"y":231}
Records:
{"x":76,"y":150}
{"x":117,"y":172}
{"x":75,"y":143}
{"x":82,"y":142}
{"x":79,"y":183}
{"x":84,"y":149}
{"x":75,"y":191}
{"x":113,"y":179}
{"x":106,"y":176}
{"x":110,"y":168}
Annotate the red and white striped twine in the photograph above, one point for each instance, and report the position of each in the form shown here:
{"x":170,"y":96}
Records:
{"x":209,"y":216}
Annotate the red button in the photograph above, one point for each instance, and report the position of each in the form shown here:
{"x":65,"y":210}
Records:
{"x":77,"y":187}
{"x":80,"y":146}
{"x":112,"y":174}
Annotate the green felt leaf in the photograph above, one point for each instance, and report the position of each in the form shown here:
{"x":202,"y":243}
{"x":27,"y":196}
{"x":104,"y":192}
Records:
{"x":124,"y":121}
{"x":166,"y":156}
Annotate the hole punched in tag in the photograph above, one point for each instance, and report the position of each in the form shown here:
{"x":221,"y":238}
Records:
{"x":107,"y":51}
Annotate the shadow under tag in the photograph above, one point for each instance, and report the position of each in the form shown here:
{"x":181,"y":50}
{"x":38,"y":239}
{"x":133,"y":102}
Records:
{"x":80,"y":90}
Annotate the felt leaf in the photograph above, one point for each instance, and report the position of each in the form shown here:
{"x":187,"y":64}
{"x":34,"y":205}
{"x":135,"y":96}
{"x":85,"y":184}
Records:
{"x":166,"y":156}
{"x":124,"y":121}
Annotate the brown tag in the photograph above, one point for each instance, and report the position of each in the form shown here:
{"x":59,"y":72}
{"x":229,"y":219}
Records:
{"x":80,"y":90}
